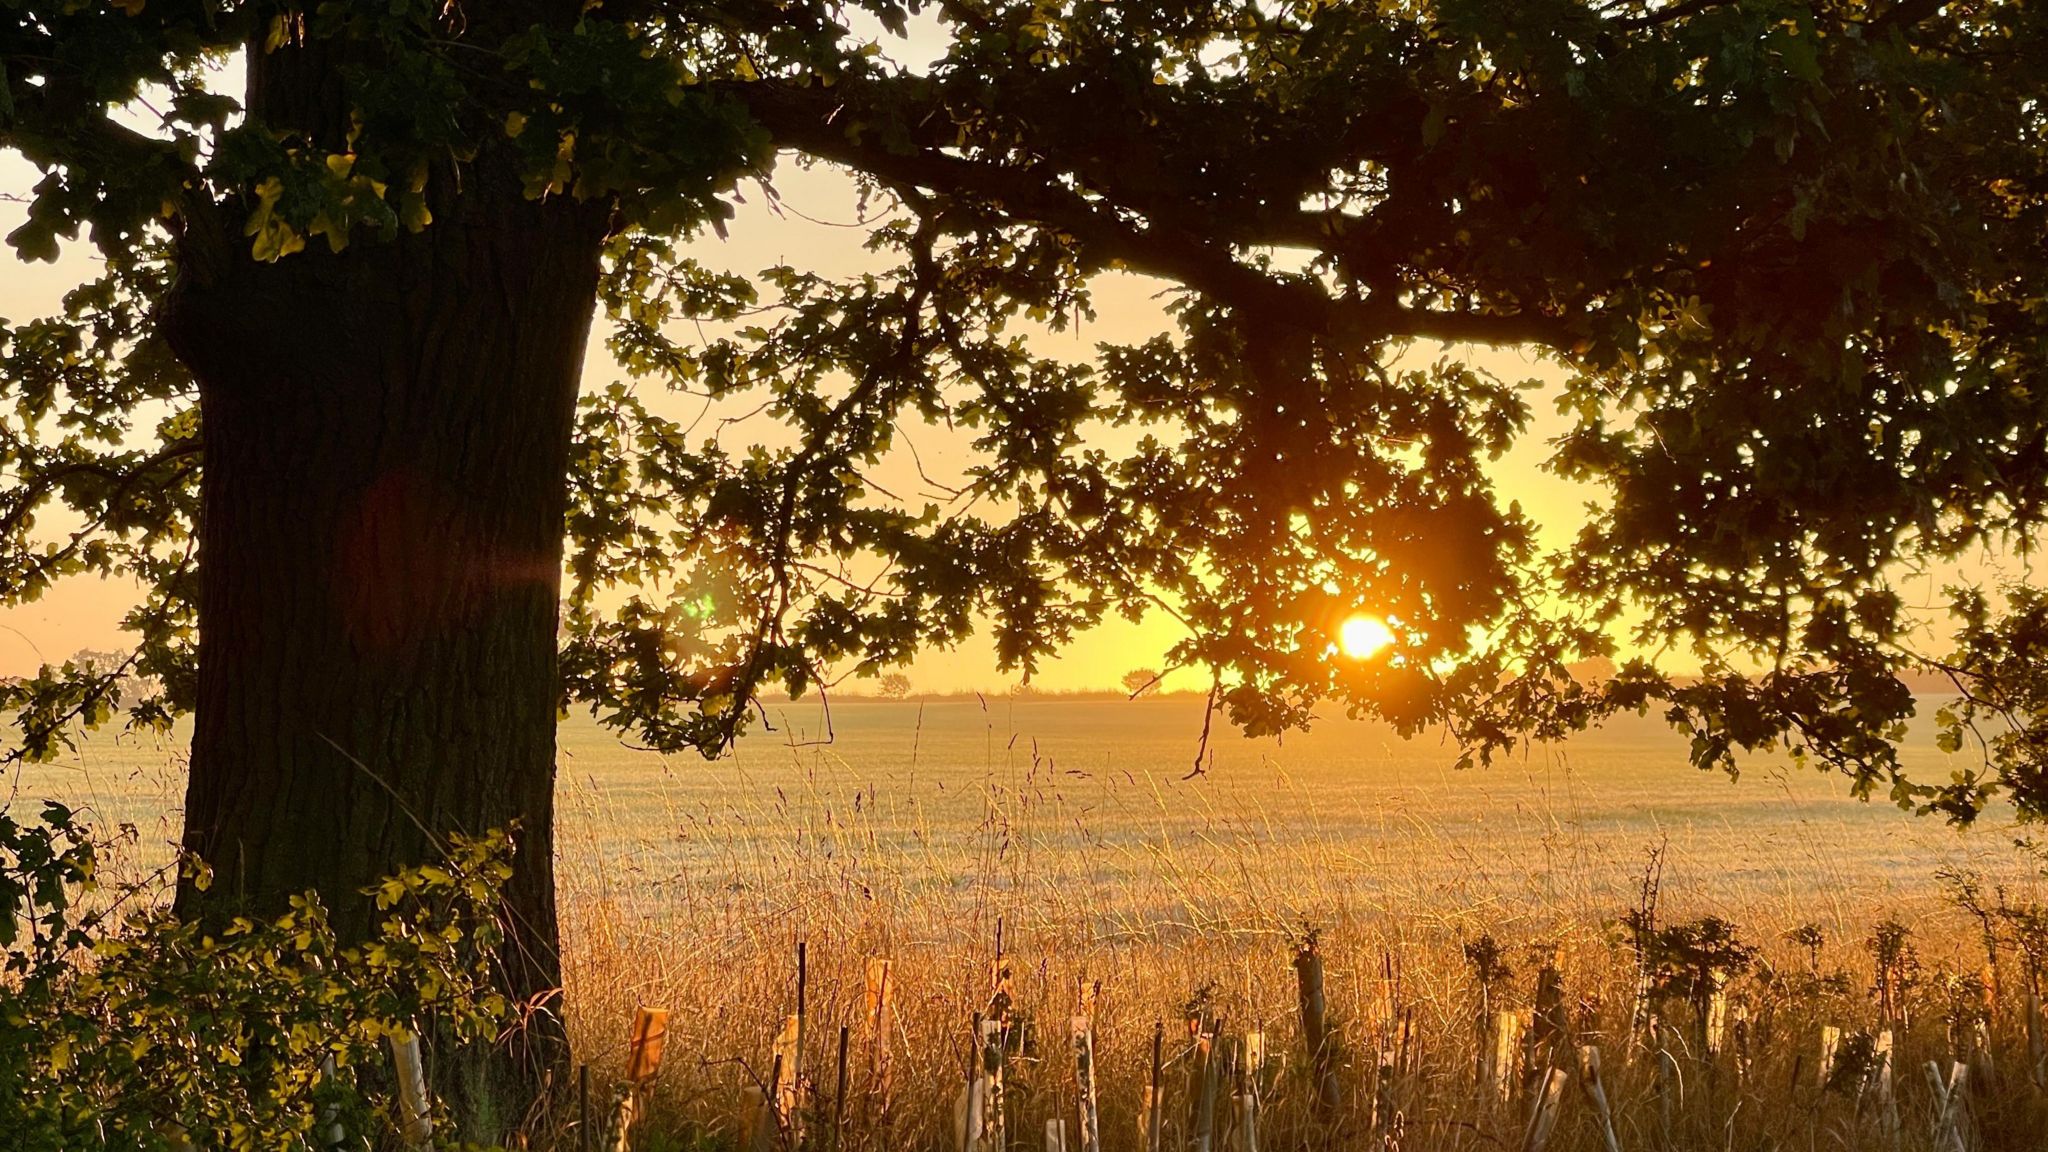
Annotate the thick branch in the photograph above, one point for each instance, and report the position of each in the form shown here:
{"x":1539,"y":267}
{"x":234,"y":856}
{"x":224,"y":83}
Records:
{"x":817,"y":122}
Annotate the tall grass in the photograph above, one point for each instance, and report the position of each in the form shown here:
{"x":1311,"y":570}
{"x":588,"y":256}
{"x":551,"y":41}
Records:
{"x":1177,"y":897}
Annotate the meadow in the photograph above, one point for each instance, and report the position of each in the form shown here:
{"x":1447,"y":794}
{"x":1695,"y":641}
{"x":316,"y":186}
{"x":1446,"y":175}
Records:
{"x":1072,"y":832}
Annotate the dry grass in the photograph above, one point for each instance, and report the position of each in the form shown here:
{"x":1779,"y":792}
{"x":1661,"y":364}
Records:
{"x":1166,"y":900}
{"x":688,"y":887}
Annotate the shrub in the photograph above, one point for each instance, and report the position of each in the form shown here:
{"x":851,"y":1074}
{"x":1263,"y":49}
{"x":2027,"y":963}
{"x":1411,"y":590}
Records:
{"x":131,"y":1029}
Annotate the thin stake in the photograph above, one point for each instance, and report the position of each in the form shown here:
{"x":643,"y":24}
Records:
{"x":803,"y":980}
{"x":1153,"y":1112}
{"x":970,"y":1112}
{"x":775,"y":1108}
{"x":839,"y":1092}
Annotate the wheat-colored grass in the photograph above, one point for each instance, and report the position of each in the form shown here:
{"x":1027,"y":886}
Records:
{"x":1168,"y":896}
{"x":688,"y":886}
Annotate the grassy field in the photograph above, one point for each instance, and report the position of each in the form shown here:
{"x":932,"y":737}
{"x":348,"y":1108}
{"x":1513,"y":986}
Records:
{"x":917,"y":830}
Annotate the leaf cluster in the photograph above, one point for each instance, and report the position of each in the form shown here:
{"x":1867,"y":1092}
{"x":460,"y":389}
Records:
{"x":129,"y":1027}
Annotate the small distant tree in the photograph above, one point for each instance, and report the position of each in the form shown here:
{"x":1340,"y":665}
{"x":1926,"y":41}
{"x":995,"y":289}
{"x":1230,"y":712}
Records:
{"x":115,"y":673}
{"x":98,"y":663}
{"x":1140,"y":681}
{"x":894,"y":686}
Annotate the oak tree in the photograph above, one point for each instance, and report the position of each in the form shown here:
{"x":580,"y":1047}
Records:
{"x":322,"y":396}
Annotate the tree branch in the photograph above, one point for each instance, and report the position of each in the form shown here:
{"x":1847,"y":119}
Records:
{"x":815,"y":121}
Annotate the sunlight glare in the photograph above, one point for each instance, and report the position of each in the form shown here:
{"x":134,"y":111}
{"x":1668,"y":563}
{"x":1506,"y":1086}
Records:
{"x":1361,"y":637}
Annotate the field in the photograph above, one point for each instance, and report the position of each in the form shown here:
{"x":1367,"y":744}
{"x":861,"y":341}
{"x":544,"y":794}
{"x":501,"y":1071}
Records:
{"x":919,"y":832}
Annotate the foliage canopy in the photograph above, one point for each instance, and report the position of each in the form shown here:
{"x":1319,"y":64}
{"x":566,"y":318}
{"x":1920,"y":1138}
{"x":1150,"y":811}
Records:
{"x":1788,"y":255}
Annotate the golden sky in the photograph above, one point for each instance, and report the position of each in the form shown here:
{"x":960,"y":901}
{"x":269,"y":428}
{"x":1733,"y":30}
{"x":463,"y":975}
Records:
{"x":810,"y":228}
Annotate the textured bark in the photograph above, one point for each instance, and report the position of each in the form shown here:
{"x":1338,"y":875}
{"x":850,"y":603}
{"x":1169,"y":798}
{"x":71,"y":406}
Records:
{"x":387,"y":433}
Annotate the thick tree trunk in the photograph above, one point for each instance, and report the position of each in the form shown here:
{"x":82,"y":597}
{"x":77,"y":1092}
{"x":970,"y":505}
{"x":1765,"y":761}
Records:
{"x":387,"y":432}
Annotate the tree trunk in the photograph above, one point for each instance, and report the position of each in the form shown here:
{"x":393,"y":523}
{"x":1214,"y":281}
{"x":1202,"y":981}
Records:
{"x":387,"y":433}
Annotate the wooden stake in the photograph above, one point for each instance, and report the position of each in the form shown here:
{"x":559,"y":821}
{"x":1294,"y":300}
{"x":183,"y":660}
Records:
{"x":995,"y":1112}
{"x":1596,"y":1095}
{"x":1315,"y":1031}
{"x":979,"y":1112}
{"x":1549,"y":1029}
{"x":1881,"y":1087}
{"x":839,"y":1088}
{"x":1667,"y":1081}
{"x":1154,"y":1106}
{"x":1714,"y":1022}
{"x":796,"y":1048}
{"x":1739,"y":1030}
{"x":1084,"y":1084}
{"x":1202,"y":1120}
{"x":1502,"y":1046}
{"x":1251,"y":1071}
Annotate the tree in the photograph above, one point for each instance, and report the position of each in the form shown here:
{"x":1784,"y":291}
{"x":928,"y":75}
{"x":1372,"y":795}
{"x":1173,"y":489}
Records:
{"x":323,"y":399}
{"x":894,"y":686}
{"x":1139,"y":681}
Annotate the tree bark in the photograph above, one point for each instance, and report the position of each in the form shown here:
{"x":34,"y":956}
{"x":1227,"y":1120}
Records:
{"x":387,"y":433}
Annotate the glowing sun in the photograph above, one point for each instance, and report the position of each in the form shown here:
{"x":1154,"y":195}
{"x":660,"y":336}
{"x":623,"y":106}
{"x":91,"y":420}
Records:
{"x":1362,"y":637}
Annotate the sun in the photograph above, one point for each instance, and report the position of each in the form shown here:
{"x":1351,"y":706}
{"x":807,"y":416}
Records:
{"x":1361,"y":637}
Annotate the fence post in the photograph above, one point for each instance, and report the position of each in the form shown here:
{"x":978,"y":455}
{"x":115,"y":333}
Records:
{"x":1084,"y":1083}
{"x":1503,"y":1042}
{"x":1250,"y":1068}
{"x":1315,"y":1030}
{"x":1887,"y":1098}
{"x":1714,"y":1021}
{"x":796,"y":1045}
{"x":1152,"y":1120}
{"x":1667,"y":1081}
{"x":839,"y":1088}
{"x":1202,"y":1121}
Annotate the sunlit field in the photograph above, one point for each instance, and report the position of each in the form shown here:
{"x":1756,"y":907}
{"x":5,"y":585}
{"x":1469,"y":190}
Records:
{"x":1077,"y":829}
